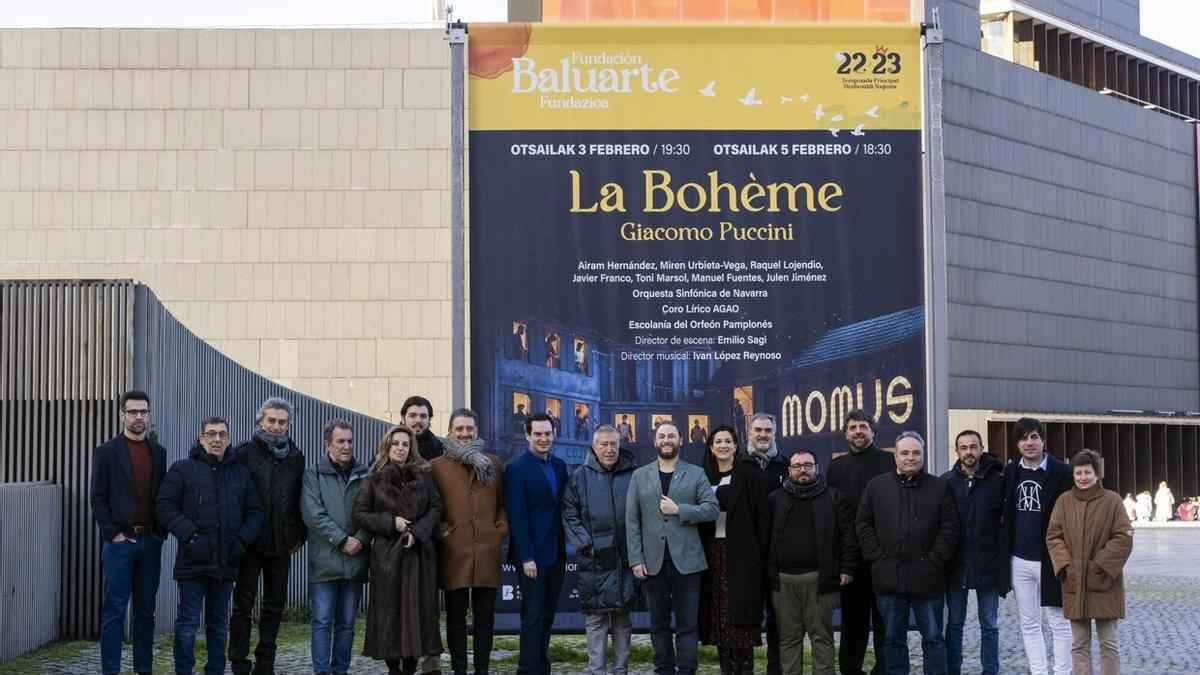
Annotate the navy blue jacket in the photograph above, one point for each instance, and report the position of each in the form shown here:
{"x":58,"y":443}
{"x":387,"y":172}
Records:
{"x":980,"y":501}
{"x":213,"y":510}
{"x":112,"y":485}
{"x":534,"y":513}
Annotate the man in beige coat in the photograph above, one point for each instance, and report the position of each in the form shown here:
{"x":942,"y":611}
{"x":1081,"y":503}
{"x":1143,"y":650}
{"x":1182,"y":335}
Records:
{"x":1089,"y":539}
{"x":474,"y":522}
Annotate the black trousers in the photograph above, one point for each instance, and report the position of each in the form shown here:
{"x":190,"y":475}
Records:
{"x":274,"y":572}
{"x":859,"y":614}
{"x":482,"y":602}
{"x":774,"y":666}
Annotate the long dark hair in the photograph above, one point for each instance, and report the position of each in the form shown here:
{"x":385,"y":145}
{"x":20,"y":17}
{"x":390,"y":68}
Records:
{"x":710,"y":463}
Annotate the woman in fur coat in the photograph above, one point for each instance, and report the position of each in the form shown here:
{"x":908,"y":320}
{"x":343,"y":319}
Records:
{"x":400,"y":505}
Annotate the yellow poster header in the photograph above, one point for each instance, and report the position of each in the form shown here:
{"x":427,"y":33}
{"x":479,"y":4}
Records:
{"x":840,"y":78}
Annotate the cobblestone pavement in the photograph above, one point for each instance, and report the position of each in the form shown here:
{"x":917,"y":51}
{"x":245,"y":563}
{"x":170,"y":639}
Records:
{"x":1157,"y":636}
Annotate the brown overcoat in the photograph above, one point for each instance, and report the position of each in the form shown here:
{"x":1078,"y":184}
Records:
{"x":474,"y":522}
{"x":403,"y":612}
{"x":1089,"y":539}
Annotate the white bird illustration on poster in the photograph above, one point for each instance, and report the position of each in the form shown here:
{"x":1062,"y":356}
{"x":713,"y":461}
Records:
{"x":709,"y":89}
{"x":834,"y":131}
{"x":784,"y":99}
{"x":873,"y":111}
{"x":819,"y":111}
{"x":804,"y":97}
{"x":836,"y":118}
{"x":858,"y":130}
{"x":749,"y":98}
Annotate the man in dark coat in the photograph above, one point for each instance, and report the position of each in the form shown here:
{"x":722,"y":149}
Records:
{"x":534,"y":483}
{"x":762,"y":455}
{"x":276,"y":466}
{"x":1032,"y":484}
{"x":850,"y":473}
{"x":126,"y":473}
{"x":208,"y":501}
{"x":978,"y":488}
{"x":594,"y":522}
{"x":417,"y":413}
{"x":814,"y":553}
{"x":908,"y":529}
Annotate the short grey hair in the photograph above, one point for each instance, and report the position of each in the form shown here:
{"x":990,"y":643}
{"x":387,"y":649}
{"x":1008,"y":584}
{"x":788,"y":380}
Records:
{"x":604,"y":429}
{"x":913,"y":435}
{"x":333,"y":425}
{"x":763,"y":416}
{"x":273,"y":403}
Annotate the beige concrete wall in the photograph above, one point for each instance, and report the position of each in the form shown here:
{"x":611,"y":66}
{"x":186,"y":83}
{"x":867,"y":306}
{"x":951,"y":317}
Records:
{"x":284,"y":192}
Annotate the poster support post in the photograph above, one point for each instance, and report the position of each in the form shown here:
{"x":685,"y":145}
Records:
{"x":937,"y":338}
{"x":457,"y":34}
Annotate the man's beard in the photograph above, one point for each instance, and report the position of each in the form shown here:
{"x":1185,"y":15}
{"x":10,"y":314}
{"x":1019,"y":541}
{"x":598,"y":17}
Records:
{"x":668,"y":451}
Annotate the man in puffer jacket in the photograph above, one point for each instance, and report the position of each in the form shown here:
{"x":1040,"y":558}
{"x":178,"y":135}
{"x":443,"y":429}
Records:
{"x":209,"y":503}
{"x":594,"y":520}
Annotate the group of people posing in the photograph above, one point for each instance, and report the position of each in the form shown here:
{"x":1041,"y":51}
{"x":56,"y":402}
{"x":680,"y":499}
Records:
{"x":709,"y":551}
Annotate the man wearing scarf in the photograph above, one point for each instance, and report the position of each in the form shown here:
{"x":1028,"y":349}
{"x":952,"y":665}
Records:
{"x":763,"y":456}
{"x":276,"y":467}
{"x":813,"y":554}
{"x":474,"y":521}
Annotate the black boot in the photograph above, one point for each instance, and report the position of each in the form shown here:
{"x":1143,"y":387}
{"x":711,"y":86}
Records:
{"x":725,"y":655}
{"x":743,"y":661}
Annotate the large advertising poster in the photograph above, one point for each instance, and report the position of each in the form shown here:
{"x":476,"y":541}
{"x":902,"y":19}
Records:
{"x":696,"y":224}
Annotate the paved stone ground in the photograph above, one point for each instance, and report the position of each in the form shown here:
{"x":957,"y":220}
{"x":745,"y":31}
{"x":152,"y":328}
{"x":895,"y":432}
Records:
{"x":1158,"y":635}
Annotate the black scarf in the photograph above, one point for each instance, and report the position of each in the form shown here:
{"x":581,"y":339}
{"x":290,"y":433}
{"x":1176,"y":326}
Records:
{"x":805,"y":491}
{"x":277,"y":444}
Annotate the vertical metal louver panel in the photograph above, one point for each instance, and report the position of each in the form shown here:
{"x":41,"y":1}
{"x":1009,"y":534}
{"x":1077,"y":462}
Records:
{"x":30,"y":533}
{"x":68,"y":349}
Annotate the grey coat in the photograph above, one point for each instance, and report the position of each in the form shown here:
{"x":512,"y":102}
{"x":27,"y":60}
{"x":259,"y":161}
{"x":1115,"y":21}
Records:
{"x":593,"y":508}
{"x":328,"y":508}
{"x":649,"y":532}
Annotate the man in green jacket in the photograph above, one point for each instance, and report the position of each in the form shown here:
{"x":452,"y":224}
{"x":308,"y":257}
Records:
{"x":337,"y":551}
{"x":667,"y":500}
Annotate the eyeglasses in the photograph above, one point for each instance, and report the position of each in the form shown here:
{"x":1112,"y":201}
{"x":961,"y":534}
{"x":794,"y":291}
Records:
{"x":807,"y":466}
{"x":215,"y":434}
{"x":140,"y":412}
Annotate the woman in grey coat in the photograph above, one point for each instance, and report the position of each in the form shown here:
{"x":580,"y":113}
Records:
{"x":594,"y":520}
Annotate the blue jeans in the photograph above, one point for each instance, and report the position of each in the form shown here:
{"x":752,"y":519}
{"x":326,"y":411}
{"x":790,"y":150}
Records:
{"x":130,"y":571}
{"x":212,"y":596}
{"x":539,"y":601}
{"x":667,"y":592}
{"x":928,"y":615}
{"x":989,"y":639}
{"x":334,"y":608}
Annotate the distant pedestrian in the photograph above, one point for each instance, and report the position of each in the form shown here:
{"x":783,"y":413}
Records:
{"x":1164,"y":503}
{"x":1090,"y":539}
{"x":1130,"y":507}
{"x":1145,"y":506}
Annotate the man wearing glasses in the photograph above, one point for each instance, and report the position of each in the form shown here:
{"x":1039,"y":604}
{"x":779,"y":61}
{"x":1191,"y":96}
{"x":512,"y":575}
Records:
{"x":209,"y":502}
{"x":126,"y":473}
{"x":814,"y":553}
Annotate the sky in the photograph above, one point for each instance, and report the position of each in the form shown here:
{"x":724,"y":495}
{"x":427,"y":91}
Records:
{"x":1172,"y":22}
